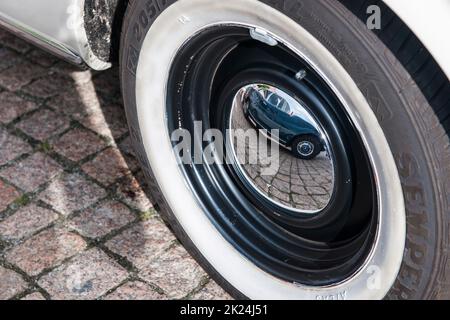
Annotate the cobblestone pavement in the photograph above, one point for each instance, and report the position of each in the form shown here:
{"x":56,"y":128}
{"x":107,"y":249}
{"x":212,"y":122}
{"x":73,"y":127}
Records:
{"x":75,"y":222}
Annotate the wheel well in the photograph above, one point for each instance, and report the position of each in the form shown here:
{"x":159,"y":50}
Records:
{"x":305,"y":135}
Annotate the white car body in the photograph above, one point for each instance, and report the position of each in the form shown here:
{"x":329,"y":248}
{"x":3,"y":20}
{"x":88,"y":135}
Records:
{"x":430,"y":21}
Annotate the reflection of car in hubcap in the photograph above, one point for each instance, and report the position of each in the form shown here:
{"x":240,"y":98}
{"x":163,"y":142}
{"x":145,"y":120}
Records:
{"x":269,"y":108}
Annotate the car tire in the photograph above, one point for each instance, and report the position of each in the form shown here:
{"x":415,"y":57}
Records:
{"x":408,"y":262}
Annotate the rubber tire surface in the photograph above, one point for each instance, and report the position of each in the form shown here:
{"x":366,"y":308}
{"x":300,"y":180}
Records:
{"x":414,"y":130}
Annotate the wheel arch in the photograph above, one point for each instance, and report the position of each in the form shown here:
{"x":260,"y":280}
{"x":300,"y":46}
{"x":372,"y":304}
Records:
{"x":103,"y":24}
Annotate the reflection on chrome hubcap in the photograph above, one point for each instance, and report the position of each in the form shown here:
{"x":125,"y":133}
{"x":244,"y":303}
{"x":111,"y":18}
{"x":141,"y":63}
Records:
{"x":305,"y":148}
{"x":304,"y":181}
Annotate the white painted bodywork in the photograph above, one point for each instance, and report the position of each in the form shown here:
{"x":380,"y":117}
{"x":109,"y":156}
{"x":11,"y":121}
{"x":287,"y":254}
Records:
{"x":59,"y":22}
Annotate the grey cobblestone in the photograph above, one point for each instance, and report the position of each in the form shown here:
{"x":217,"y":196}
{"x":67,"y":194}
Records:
{"x":99,"y":221}
{"x":14,"y":106}
{"x":175,"y":272}
{"x":44,"y":124}
{"x":11,"y":283}
{"x":143,"y":242}
{"x":135,"y":290}
{"x":35,"y":296}
{"x":32,"y":172}
{"x":75,"y":217}
{"x":45,"y":250}
{"x":26,"y":221}
{"x":20,"y":74}
{"x":71,"y":193}
{"x":88,"y":276}
{"x":12,"y":147}
{"x":8,"y":195}
{"x":77,"y":144}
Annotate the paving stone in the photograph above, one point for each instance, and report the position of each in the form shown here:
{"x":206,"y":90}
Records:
{"x":44,"y":124}
{"x":77,"y":103}
{"x":11,"y":147}
{"x":274,"y":192}
{"x":131,"y":191}
{"x":7,"y":195}
{"x":9,"y":40}
{"x":261,"y":184}
{"x":42,"y":58}
{"x":77,"y":144}
{"x":49,"y":86}
{"x":142,"y":242}
{"x":26,"y":221}
{"x":305,"y":202}
{"x":316,"y":191}
{"x":109,"y":166}
{"x":251,"y":171}
{"x":87,"y":276}
{"x":11,"y":284}
{"x":126,"y":146}
{"x":107,"y":84}
{"x":135,"y":290}
{"x":65,"y":67}
{"x":35,"y":296}
{"x":212,"y":291}
{"x":45,"y":250}
{"x":322,"y":201}
{"x":312,"y":183}
{"x":281,"y":185}
{"x":20,"y":74}
{"x":285,"y":178}
{"x":109,"y":121}
{"x":94,"y":100}
{"x":175,"y":272}
{"x":13,"y":106}
{"x":267,"y":179}
{"x":81,"y":77}
{"x":71,"y":192}
{"x":296,"y":181}
{"x":99,"y":221}
{"x":299,"y":190}
{"x":32,"y":172}
{"x":7,"y":58}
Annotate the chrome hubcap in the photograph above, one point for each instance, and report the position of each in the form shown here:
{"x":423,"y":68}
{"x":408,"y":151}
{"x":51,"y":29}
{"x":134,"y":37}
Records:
{"x":305,"y":148}
{"x":303,"y":181}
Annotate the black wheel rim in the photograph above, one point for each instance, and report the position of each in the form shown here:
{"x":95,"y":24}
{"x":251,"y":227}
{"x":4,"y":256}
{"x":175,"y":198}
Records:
{"x":317,"y":250}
